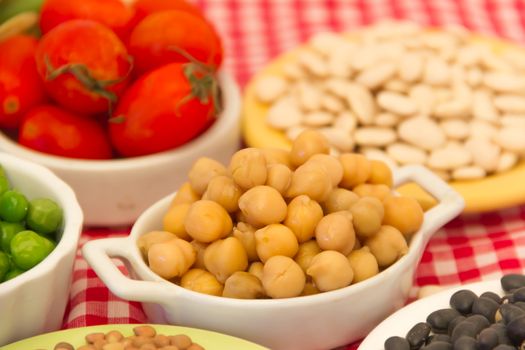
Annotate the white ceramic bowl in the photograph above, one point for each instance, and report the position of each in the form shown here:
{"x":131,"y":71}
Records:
{"x":115,"y":192}
{"x":321,"y":321}
{"x":34,"y":302}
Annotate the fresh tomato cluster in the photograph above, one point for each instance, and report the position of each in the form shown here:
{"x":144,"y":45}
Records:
{"x":107,"y":79}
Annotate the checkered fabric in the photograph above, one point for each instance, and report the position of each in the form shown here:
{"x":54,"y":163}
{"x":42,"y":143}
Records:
{"x":468,"y":249}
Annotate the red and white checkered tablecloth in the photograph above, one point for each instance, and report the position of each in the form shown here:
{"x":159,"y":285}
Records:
{"x":254,"y":31}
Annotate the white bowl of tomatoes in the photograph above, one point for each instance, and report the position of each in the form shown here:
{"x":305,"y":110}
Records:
{"x":118,"y":100}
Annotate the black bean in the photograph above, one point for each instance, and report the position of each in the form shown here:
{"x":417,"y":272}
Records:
{"x":509,"y":312}
{"x":397,"y":343}
{"x":438,"y":337}
{"x":501,"y":330}
{"x":464,"y":329}
{"x":512,"y":281}
{"x":504,"y":347}
{"x":418,"y":334}
{"x":440,"y":319}
{"x":438,"y":345}
{"x":480,"y":321}
{"x":520,"y":304}
{"x":517,"y":295}
{"x":516,"y":330}
{"x":491,"y":295}
{"x":465,"y":343}
{"x":462,"y":301}
{"x":486,"y":307}
{"x":454,"y":323}
{"x":487,"y":339}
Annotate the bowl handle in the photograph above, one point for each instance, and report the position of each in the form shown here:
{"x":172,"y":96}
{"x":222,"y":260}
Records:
{"x":98,"y":254}
{"x":450,"y":203}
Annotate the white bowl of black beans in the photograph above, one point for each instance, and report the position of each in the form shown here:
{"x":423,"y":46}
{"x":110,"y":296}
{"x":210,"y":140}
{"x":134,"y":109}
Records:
{"x":38,"y":248}
{"x":483,"y":315}
{"x":324,"y":320}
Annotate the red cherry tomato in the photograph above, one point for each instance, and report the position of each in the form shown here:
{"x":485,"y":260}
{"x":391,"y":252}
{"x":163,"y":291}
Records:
{"x":112,"y":13}
{"x":52,"y":130}
{"x":147,"y":7}
{"x":165,"y":37}
{"x":84,"y":66}
{"x":20,"y":84}
{"x":164,"y":109}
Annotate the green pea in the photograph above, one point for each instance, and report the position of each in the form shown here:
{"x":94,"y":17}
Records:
{"x":7,"y":231}
{"x":44,"y":215}
{"x":13,"y":272}
{"x":13,"y":206}
{"x":5,"y":264}
{"x":4,"y":184}
{"x":28,"y":248}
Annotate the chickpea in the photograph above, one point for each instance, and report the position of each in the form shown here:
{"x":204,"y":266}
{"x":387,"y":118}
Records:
{"x":306,"y":253}
{"x":302,"y":217}
{"x":185,"y":194}
{"x":199,"y":248}
{"x":312,"y":181}
{"x":387,"y":245}
{"x":224,"y":257}
{"x":380,"y":173}
{"x":279,"y":177}
{"x":330,"y":270}
{"x":335,"y":232}
{"x":306,"y":144}
{"x":404,"y":213}
{"x":203,"y":170}
{"x":356,"y":169}
{"x":248,"y":168}
{"x":275,"y":239}
{"x":145,"y":241}
{"x":224,"y":191}
{"x":331,"y":164}
{"x":276,"y":156}
{"x":262,"y":205}
{"x":368,"y":215}
{"x":173,"y":220}
{"x":282,"y":277}
{"x":243,"y":285}
{"x":245,"y":233}
{"x":339,"y":199}
{"x":207,"y":221}
{"x":202,"y":281}
{"x":256,"y":269}
{"x":172,"y":258}
{"x":364,"y":264}
{"x":380,"y":191}
{"x":310,"y":289}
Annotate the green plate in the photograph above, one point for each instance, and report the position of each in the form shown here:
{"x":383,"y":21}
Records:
{"x":75,"y":336}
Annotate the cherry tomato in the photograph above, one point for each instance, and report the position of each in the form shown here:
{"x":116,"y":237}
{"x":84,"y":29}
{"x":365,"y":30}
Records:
{"x":84,"y":65}
{"x":169,"y":36}
{"x":52,"y":130}
{"x":147,"y":7}
{"x":20,"y":85}
{"x":164,"y":109}
{"x":112,"y":13}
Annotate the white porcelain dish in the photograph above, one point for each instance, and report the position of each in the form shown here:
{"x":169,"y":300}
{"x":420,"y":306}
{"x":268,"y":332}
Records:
{"x":321,"y":321}
{"x":115,"y":192}
{"x":35,"y":301}
{"x":401,"y":321}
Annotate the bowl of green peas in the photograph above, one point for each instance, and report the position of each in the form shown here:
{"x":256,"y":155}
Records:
{"x":40,"y":225}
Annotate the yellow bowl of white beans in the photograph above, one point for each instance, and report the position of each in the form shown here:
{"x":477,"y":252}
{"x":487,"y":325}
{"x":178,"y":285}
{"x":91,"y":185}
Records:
{"x":447,"y":99}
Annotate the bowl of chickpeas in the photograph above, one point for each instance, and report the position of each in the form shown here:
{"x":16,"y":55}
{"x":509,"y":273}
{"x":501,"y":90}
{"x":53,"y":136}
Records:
{"x":290,"y":249}
{"x":40,"y":225}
